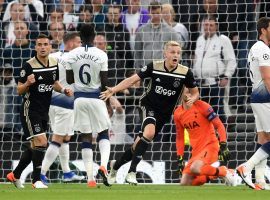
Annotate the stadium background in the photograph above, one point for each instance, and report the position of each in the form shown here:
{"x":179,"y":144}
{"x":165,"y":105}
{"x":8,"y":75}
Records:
{"x":240,"y":122}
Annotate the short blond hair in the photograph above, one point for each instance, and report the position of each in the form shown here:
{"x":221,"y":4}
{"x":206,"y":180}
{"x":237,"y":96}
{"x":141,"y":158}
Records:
{"x":171,"y":43}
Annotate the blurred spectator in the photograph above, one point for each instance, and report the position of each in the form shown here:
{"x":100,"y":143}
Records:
{"x":134,"y":17}
{"x":99,"y":10}
{"x":17,"y":14}
{"x":14,"y":56}
{"x":214,"y":64}
{"x":117,"y":36}
{"x":115,"y":65}
{"x":7,"y":98}
{"x":21,"y":51}
{"x":70,"y":17}
{"x":55,"y":15}
{"x":150,"y":38}
{"x":244,"y":36}
{"x":56,"y":33}
{"x":168,"y":15}
{"x":85,"y":16}
{"x":3,"y":6}
{"x":118,"y":129}
{"x":33,"y":10}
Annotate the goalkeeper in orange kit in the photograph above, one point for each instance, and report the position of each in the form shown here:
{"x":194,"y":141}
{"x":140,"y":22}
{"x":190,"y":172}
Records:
{"x":201,"y":122}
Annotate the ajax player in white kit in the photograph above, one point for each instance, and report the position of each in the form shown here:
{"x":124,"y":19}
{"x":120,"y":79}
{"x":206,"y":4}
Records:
{"x":61,"y":118}
{"x":259,"y":63}
{"x":87,"y":67}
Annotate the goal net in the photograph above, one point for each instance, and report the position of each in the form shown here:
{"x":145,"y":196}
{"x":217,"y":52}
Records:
{"x":126,"y":52}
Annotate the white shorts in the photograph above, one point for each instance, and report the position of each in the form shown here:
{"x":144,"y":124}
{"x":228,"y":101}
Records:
{"x":90,"y":115}
{"x":62,"y":120}
{"x":261,"y":113}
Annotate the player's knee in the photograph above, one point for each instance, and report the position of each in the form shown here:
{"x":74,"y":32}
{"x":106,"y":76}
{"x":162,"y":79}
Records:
{"x":86,"y":145}
{"x":104,"y":135}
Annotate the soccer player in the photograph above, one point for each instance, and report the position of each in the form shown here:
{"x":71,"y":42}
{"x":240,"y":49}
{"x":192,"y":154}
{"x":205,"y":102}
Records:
{"x":61,"y":118}
{"x":167,"y":80}
{"x":201,"y":122}
{"x":87,"y":67}
{"x":38,"y":77}
{"x":259,"y":62}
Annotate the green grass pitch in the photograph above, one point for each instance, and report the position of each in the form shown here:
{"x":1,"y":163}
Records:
{"x":128,"y":192}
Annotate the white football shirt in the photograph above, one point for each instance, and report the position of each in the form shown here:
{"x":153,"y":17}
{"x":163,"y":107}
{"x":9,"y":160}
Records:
{"x":86,"y":63}
{"x":259,"y":55}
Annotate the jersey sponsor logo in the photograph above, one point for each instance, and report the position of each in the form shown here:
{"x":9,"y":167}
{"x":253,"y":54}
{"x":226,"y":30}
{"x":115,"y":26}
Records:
{"x":191,"y":125}
{"x":22,"y":74}
{"x":158,"y":80}
{"x":40,"y":78}
{"x":44,"y":88}
{"x":265,"y":56}
{"x":164,"y":91}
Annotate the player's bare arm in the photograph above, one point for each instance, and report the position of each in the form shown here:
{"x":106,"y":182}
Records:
{"x":121,"y":86}
{"x":59,"y":88}
{"x":24,"y":87}
{"x":265,"y":72}
{"x":69,"y":76}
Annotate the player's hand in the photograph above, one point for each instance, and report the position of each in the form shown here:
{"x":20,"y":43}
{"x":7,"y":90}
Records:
{"x":68,"y":92}
{"x":224,"y":153}
{"x":30,"y":80}
{"x":181,"y":164}
{"x":106,"y":94}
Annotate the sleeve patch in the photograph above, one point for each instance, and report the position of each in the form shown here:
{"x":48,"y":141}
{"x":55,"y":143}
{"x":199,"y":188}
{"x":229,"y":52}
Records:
{"x":211,"y":116}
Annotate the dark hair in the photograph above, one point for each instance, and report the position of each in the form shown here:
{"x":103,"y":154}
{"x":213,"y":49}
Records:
{"x":263,"y":22}
{"x":87,"y":33}
{"x":154,"y":5}
{"x":70,"y":36}
{"x":83,"y":8}
{"x":58,"y":10}
{"x":41,"y":36}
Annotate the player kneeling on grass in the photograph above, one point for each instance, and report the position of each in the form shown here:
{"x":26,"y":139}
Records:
{"x":202,"y":123}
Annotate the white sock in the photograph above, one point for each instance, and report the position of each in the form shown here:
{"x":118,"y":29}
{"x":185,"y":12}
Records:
{"x":50,"y":156}
{"x":105,"y":149}
{"x":87,"y":156}
{"x":260,"y":171}
{"x":257,"y":157}
{"x":64,"y":157}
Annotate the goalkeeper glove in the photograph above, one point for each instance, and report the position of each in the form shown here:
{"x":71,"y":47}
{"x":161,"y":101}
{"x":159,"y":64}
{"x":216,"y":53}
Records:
{"x":224,"y":153}
{"x":181,"y":164}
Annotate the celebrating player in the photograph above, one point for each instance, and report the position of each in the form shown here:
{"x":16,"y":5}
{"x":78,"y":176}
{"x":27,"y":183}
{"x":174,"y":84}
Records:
{"x":201,"y":122}
{"x":168,"y":78}
{"x":38,"y":77}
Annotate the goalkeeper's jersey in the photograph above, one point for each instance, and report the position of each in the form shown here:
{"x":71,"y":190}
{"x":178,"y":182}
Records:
{"x":198,"y":121}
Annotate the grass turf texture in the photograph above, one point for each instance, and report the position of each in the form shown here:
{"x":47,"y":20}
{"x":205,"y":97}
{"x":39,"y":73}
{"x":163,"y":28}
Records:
{"x":128,"y":192}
